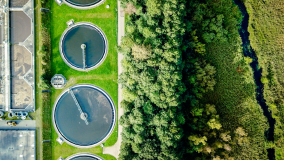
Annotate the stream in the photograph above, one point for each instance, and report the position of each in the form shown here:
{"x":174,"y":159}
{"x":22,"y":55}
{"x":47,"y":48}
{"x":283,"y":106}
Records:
{"x":249,"y":52}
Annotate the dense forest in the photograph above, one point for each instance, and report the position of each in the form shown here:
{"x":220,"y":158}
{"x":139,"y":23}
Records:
{"x":188,"y":91}
{"x":267,"y":37}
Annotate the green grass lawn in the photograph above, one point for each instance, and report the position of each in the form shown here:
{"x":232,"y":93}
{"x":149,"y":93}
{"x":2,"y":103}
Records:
{"x":105,"y":76}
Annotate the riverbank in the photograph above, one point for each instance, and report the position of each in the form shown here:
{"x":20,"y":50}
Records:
{"x":234,"y":94}
{"x":249,"y":52}
{"x":266,"y":39}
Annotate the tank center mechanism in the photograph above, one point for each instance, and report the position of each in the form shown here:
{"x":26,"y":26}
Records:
{"x":83,"y":47}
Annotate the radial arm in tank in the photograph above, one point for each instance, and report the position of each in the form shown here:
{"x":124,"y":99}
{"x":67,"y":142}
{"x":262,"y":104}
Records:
{"x":82,"y":114}
{"x":83,"y":47}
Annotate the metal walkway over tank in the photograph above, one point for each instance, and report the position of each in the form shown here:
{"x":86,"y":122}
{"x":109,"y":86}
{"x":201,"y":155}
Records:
{"x":82,"y":114}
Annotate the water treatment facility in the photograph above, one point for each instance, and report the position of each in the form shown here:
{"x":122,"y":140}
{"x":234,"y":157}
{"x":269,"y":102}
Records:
{"x":141,"y":79}
{"x":75,"y":99}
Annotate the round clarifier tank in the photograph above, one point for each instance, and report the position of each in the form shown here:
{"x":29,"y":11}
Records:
{"x":84,"y":115}
{"x":84,"y":156}
{"x":83,"y":4}
{"x":83,"y":46}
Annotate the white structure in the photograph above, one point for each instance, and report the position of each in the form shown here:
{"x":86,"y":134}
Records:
{"x":59,"y":2}
{"x":60,"y":140}
{"x":58,"y":81}
{"x":70,"y":23}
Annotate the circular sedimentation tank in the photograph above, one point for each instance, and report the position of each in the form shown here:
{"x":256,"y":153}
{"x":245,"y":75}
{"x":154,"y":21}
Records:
{"x":84,"y":156}
{"x":84,"y":116}
{"x":83,"y":4}
{"x":83,"y":46}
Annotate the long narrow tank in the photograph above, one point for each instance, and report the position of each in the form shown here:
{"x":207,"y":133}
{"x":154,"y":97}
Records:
{"x":84,"y":115}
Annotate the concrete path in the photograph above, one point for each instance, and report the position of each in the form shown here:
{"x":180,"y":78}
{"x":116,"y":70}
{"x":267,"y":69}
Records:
{"x":115,"y":149}
{"x":25,"y":124}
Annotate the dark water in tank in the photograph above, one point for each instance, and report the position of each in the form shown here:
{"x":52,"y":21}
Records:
{"x":72,"y":127}
{"x":83,"y":2}
{"x":88,"y":35}
{"x":84,"y":158}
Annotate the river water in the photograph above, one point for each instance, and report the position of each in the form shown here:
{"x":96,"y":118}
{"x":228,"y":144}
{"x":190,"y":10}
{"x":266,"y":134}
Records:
{"x":249,"y":52}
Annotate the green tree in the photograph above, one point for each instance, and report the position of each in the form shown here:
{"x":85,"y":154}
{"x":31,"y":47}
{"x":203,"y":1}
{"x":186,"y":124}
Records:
{"x":197,"y":140}
{"x":214,"y":124}
{"x":154,"y":7}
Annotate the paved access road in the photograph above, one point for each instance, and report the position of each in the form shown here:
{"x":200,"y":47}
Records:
{"x":115,"y":149}
{"x":22,"y":124}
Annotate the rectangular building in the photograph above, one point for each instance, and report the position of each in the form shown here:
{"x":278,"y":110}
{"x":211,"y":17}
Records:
{"x":17,"y":144}
{"x":17,"y":90}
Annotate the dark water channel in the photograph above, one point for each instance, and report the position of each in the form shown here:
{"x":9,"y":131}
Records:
{"x":248,"y":51}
